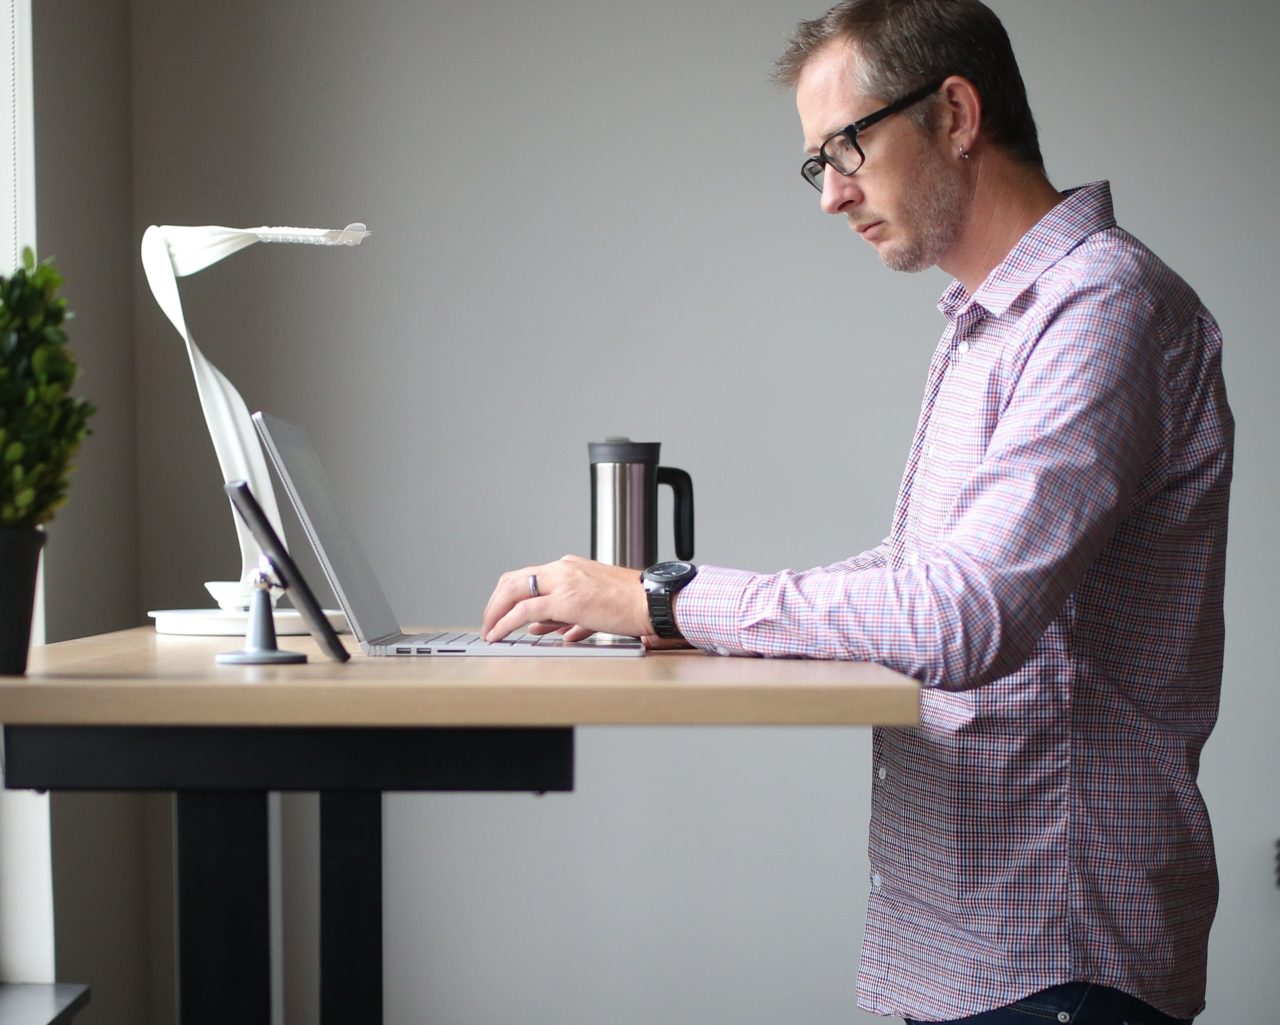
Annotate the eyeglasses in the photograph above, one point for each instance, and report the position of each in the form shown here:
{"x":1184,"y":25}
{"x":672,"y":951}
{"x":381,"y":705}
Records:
{"x":842,"y":153}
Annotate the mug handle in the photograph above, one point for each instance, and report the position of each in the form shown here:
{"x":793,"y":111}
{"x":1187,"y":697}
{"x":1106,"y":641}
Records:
{"x":682,"y":487}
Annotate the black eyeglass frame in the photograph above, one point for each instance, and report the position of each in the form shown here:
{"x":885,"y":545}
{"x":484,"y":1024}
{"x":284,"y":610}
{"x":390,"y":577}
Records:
{"x":812,"y":169}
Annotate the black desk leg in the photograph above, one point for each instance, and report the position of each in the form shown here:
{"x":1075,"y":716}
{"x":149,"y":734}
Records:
{"x":351,"y":908}
{"x":224,"y":937}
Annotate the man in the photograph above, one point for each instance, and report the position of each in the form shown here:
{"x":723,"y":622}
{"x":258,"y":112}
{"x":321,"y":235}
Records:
{"x":1054,"y":570}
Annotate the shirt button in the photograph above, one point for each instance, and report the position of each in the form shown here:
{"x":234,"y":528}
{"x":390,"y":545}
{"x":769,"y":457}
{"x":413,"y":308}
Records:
{"x":963,"y":348}
{"x":722,"y":650}
{"x":876,"y":880}
{"x":1063,"y":1017}
{"x":881,"y":773}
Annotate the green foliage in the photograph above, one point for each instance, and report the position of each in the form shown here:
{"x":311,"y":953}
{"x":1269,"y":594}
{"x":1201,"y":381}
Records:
{"x":41,"y":423}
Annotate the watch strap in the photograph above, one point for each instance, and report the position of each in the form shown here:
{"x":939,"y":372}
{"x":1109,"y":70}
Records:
{"x":661,"y":614}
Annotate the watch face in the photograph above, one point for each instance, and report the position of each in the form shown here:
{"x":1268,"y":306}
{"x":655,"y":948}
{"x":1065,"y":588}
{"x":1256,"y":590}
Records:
{"x":665,"y":572}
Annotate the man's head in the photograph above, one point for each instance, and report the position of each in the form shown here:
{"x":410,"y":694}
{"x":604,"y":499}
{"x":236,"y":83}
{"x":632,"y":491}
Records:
{"x":909,"y":198}
{"x":903,"y":45}
{"x":892,"y":113}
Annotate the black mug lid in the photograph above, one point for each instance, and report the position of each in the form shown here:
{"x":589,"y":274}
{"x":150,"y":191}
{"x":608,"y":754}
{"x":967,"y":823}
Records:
{"x":624,"y":450}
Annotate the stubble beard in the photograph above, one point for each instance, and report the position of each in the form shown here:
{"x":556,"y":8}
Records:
{"x":936,"y":213}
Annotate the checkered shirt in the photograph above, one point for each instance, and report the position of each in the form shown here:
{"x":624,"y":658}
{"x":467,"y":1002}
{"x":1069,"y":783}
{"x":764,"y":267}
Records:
{"x":1053,"y":576}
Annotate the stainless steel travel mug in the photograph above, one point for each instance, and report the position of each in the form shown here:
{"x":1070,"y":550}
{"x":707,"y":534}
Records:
{"x":625,"y":477}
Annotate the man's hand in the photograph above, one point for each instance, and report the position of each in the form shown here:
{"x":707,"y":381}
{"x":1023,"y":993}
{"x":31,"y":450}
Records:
{"x":574,"y":595}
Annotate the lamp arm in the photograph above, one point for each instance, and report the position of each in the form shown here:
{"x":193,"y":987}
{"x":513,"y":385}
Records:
{"x":234,"y":439}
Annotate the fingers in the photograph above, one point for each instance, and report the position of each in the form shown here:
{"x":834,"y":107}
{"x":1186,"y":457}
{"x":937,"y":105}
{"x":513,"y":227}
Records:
{"x":530,"y":611}
{"x":539,"y":629}
{"x":513,"y":603}
{"x":575,"y":595}
{"x":512,"y":589}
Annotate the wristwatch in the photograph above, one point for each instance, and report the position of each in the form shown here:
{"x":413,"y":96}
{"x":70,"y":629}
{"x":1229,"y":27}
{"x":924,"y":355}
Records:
{"x":661,"y":582}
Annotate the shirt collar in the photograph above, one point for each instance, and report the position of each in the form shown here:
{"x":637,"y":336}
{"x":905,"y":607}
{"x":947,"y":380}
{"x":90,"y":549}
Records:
{"x":1082,"y":212}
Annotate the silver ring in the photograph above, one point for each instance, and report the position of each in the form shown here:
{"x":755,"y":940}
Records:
{"x":533,"y":585}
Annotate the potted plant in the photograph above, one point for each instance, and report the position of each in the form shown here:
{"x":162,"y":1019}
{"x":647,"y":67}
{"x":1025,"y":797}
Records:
{"x":41,"y":428}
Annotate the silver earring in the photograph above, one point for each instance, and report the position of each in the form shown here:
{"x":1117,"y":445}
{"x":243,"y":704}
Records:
{"x":964,"y":154}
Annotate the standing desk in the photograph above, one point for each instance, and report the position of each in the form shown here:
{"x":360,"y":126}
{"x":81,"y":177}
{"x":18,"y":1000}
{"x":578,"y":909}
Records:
{"x":137,"y":710}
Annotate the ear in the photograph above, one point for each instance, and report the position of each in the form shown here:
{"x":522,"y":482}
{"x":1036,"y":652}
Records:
{"x":962,"y":117}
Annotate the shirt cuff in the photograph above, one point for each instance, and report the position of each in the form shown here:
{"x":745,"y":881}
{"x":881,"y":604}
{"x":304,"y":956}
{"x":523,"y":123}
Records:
{"x":706,"y":609}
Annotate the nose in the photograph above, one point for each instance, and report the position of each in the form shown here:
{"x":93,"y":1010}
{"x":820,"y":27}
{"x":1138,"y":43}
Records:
{"x":839,"y":191}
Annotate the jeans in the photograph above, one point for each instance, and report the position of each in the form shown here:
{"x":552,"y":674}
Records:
{"x":1077,"y":1003}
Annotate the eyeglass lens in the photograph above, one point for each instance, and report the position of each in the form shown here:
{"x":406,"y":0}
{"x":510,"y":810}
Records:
{"x":839,"y":153}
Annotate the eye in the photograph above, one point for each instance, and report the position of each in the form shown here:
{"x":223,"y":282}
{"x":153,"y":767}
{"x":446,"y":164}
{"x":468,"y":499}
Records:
{"x":839,"y":147}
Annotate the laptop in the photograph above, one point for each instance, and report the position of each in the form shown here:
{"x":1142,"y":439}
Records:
{"x":357,"y":588}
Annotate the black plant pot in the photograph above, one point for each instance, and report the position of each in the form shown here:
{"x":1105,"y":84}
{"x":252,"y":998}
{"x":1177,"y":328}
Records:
{"x":19,"y":558}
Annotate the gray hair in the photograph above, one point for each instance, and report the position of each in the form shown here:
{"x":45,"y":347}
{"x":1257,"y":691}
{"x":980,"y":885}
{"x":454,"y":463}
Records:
{"x":905,"y":44}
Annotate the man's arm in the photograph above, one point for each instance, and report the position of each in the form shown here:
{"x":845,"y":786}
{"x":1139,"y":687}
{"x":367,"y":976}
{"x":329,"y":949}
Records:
{"x":870,"y":559}
{"x":1074,"y":438}
{"x":579,"y":597}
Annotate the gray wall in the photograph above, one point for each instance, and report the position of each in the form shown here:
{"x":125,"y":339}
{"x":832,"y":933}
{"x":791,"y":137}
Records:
{"x":588,"y":220}
{"x":110,"y":856}
{"x":84,"y":180}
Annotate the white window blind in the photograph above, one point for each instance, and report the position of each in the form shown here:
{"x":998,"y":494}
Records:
{"x":26,"y":886}
{"x":18,"y":165}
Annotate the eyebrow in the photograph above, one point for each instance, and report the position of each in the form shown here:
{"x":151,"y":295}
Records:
{"x":812,"y":150}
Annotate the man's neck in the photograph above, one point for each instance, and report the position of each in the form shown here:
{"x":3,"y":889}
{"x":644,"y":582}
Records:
{"x":1008,"y":198}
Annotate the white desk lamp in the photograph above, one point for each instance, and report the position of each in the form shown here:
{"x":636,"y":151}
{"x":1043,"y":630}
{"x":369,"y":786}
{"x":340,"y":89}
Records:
{"x":168,"y":253}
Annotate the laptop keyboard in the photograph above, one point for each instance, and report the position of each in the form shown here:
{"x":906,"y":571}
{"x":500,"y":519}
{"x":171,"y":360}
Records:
{"x":444,"y":643}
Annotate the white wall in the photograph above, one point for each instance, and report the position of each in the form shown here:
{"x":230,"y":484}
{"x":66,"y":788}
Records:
{"x":588,"y":220}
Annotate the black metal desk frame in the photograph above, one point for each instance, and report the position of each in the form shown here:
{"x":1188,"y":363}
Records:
{"x":221,"y":776}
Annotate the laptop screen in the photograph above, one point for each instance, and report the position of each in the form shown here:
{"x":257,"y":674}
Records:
{"x":312,"y":494}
